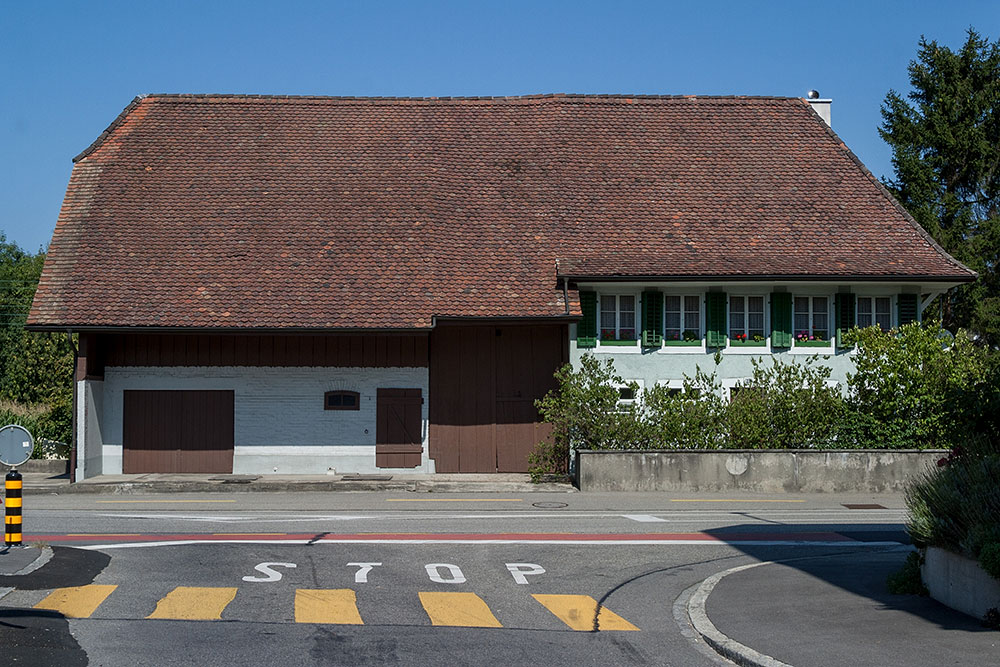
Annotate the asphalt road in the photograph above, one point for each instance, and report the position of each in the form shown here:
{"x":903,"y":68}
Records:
{"x":373,"y":579}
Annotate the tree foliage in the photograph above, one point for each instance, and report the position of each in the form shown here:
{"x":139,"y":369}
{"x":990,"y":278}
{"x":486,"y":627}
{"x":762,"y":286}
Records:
{"x":35,"y":369}
{"x":945,"y":139}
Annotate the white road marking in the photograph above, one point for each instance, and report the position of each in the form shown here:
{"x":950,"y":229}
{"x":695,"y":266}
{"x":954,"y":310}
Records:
{"x":434,"y":572}
{"x":421,"y":541}
{"x":270,"y":574}
{"x":361,"y":576}
{"x":693,"y":516}
{"x":520,"y":571}
{"x":643,"y":518}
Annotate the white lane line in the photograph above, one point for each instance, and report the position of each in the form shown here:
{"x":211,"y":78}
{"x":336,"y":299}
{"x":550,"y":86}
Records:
{"x":644,"y":518}
{"x":425,"y":541}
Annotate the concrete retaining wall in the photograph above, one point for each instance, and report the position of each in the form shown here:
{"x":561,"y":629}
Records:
{"x":766,"y":471}
{"x":51,"y":466}
{"x":960,"y":583}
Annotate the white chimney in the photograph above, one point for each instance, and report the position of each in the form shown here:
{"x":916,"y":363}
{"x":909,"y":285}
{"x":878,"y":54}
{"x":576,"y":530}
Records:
{"x":820,"y":105}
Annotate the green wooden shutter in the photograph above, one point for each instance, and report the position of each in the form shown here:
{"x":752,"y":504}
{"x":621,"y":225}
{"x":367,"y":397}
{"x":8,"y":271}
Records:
{"x":652,"y":319}
{"x":586,"y":330}
{"x":781,"y":319}
{"x":845,"y":316}
{"x":715,"y":311}
{"x":906,"y":304}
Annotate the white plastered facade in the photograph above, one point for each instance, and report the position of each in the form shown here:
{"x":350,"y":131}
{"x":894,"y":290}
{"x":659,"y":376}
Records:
{"x":280,"y":425}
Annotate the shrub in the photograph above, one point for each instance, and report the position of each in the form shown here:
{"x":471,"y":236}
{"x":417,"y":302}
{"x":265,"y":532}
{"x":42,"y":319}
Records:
{"x":907,"y":580}
{"x":785,"y":405}
{"x":956,"y":506}
{"x":586,"y":412}
{"x":914,"y":387}
{"x":51,"y":425}
{"x":693,"y":417}
{"x":989,"y":558}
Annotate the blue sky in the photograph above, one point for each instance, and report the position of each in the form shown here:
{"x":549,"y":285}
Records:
{"x":68,"y":68}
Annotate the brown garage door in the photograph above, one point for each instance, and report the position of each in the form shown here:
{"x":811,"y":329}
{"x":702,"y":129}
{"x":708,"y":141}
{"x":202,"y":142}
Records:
{"x":178,"y":431}
{"x":484,"y":381}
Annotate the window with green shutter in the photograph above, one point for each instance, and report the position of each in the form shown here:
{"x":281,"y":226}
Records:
{"x":586,"y":330}
{"x":715,"y":315}
{"x":907,"y":307}
{"x":652,"y":319}
{"x":781,"y":319}
{"x":844,"y":306}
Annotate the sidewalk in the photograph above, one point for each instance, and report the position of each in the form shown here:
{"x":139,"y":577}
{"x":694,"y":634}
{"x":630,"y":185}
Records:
{"x":202,"y":483}
{"x":835,"y":611}
{"x":15,"y":559}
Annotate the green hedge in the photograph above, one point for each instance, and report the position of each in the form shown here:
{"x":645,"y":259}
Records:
{"x":914,"y":387}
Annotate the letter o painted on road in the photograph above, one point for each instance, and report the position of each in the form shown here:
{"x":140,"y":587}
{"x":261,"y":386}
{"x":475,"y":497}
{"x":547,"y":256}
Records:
{"x":454,"y":572}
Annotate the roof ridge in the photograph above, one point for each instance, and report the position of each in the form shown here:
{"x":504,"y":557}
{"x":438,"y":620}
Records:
{"x":464,"y":98}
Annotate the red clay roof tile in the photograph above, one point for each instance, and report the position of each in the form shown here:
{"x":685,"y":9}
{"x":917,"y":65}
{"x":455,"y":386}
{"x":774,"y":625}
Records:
{"x":369,"y":213}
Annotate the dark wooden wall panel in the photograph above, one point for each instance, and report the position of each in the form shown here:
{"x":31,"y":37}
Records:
{"x":342,"y":350}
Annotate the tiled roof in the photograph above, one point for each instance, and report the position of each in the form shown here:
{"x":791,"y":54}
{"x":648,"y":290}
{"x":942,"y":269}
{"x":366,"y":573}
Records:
{"x":369,"y":213}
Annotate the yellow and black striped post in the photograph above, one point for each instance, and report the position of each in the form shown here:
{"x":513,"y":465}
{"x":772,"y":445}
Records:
{"x":12,"y":509}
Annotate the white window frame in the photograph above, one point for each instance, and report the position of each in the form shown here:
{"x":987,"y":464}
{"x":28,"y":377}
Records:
{"x":873,"y":298}
{"x":618,"y":314}
{"x":812,"y":312}
{"x":746,"y":315}
{"x":699,"y":316}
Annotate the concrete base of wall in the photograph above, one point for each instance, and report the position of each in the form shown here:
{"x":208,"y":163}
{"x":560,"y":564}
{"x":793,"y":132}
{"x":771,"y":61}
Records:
{"x":960,"y":583}
{"x":765,"y":471}
{"x":51,"y":466}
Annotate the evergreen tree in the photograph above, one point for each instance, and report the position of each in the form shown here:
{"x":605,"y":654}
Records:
{"x":945,"y":138}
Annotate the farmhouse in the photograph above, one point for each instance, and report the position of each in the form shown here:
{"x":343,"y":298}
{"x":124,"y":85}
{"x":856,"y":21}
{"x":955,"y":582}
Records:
{"x":304,"y":284}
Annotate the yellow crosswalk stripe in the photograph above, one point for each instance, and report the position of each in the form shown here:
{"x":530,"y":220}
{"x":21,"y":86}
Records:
{"x":76,"y":601}
{"x":579,"y":613}
{"x":464,"y":610}
{"x":193,"y":603}
{"x":327,"y":606}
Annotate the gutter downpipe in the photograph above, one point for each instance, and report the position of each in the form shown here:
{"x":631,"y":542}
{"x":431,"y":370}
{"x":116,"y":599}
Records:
{"x":72,"y":451}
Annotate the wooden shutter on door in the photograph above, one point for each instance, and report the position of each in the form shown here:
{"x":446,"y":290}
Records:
{"x":906,"y":305}
{"x":781,"y":319}
{"x":845,"y":316}
{"x":398,"y":428}
{"x":715,"y":310}
{"x":652,"y":319}
{"x":586,"y":330}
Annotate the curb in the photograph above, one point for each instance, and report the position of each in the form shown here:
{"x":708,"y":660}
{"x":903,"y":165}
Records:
{"x":724,"y":645}
{"x":421,"y":486}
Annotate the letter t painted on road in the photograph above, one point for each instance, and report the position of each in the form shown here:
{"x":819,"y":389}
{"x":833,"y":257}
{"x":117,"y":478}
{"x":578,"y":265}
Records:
{"x":361,"y":576}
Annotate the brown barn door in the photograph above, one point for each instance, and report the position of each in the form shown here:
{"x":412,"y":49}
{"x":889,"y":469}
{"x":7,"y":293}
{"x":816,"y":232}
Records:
{"x":526,"y":358}
{"x":484,"y":381}
{"x":398,"y":428}
{"x":178,"y":431}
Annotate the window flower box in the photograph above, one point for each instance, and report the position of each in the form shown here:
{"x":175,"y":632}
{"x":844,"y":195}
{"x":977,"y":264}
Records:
{"x":682,"y":343}
{"x":619,"y":343}
{"x":812,"y":343}
{"x":747,"y":343}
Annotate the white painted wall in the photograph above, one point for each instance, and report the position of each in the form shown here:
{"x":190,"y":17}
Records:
{"x":280,"y":424}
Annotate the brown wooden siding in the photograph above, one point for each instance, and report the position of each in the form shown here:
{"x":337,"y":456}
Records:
{"x":484,"y":381}
{"x":178,"y":431}
{"x":398,"y":431}
{"x":336,"y":350}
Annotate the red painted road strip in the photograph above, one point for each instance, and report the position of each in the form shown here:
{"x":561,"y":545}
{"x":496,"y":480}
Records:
{"x":457,"y":537}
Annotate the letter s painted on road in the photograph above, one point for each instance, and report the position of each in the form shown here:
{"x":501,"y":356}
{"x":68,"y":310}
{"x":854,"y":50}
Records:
{"x":269,"y":573}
